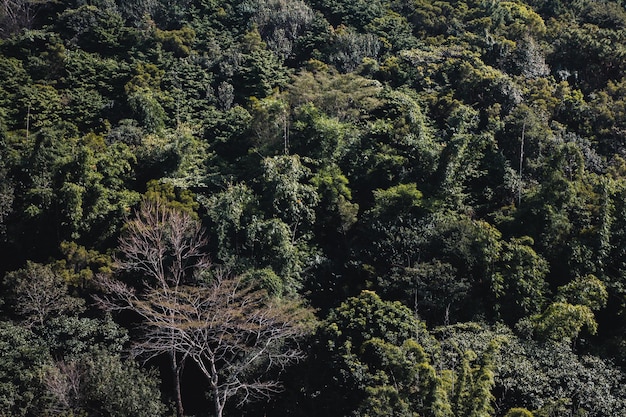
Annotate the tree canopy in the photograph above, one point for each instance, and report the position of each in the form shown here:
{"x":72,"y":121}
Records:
{"x":312,"y":207}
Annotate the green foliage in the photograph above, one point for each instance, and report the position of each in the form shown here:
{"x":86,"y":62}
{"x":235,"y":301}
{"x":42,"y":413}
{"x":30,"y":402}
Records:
{"x":588,"y":291}
{"x":69,"y":337}
{"x":318,"y":135}
{"x":41,"y":52}
{"x":176,"y":41}
{"x":393,"y":30}
{"x":39,"y":293}
{"x":292,"y":199}
{"x":518,"y":412}
{"x":265,"y":279}
{"x":362,"y":318}
{"x":260,"y":71}
{"x":105,"y":382}
{"x":358,"y":13}
{"x":546,"y":377}
{"x":145,"y":96}
{"x":269,"y":124}
{"x":175,"y":198}
{"x":245,"y":240}
{"x":188,"y":83}
{"x":271,"y":242}
{"x":92,"y":28}
{"x":136,"y":11}
{"x":23,"y":361}
{"x":376,"y":349}
{"x":346,"y":97}
{"x":391,"y":389}
{"x":283,"y":24}
{"x":481,"y":398}
{"x":119,"y":387}
{"x":462,"y":158}
{"x":519,"y":285}
{"x":403,"y":198}
{"x":81,"y":182}
{"x":338,"y":213}
{"x":563,"y":321}
{"x":230,"y":213}
{"x":80,"y":264}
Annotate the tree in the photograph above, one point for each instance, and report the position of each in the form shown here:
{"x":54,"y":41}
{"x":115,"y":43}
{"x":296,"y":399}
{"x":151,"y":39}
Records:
{"x":518,"y":412}
{"x":442,"y":261}
{"x":230,"y":211}
{"x":562,"y":321}
{"x":338,"y":212}
{"x":587,"y":291}
{"x":164,"y":247}
{"x":281,"y":23}
{"x":101,"y":380}
{"x":7,"y":188}
{"x":379,"y":359}
{"x":518,"y":283}
{"x":260,"y":70}
{"x":39,"y":293}
{"x":357,"y":13}
{"x":547,"y":377}
{"x":480,"y":401}
{"x":233,"y":333}
{"x":292,"y":200}
{"x":401,"y":382}
{"x":23,"y":358}
{"x":138,"y":10}
{"x":18,"y":14}
{"x":93,"y":28}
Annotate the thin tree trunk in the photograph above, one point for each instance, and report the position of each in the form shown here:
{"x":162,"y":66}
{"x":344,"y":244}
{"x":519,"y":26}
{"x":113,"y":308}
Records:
{"x":219,"y":405}
{"x":177,"y":370}
{"x":217,"y":400}
{"x":521,"y":164}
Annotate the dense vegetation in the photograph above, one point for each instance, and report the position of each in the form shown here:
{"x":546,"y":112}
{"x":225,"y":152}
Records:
{"x":441,"y":183}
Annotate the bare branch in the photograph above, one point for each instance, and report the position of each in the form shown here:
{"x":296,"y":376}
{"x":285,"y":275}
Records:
{"x":164,"y":245}
{"x":63,"y":382}
{"x":232,"y":332}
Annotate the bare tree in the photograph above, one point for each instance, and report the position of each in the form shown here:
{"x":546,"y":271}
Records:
{"x":18,"y":14}
{"x":234,"y":333}
{"x":63,"y":383}
{"x":164,"y":246}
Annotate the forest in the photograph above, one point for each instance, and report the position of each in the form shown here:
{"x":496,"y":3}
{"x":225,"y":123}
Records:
{"x":366,"y":208}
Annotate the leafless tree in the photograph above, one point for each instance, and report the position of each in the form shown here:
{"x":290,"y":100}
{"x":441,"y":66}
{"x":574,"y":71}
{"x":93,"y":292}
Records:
{"x":63,"y":383}
{"x":18,"y":14}
{"x":165,"y":247}
{"x":234,"y":333}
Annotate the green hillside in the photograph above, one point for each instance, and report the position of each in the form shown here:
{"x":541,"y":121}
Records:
{"x":312,"y":208}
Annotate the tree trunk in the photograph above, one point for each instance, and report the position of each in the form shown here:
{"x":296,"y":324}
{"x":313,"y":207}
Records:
{"x":217,"y":400}
{"x":219,"y":405}
{"x":177,"y":370}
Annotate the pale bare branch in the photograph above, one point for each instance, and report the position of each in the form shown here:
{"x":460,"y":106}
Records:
{"x":232,"y":332}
